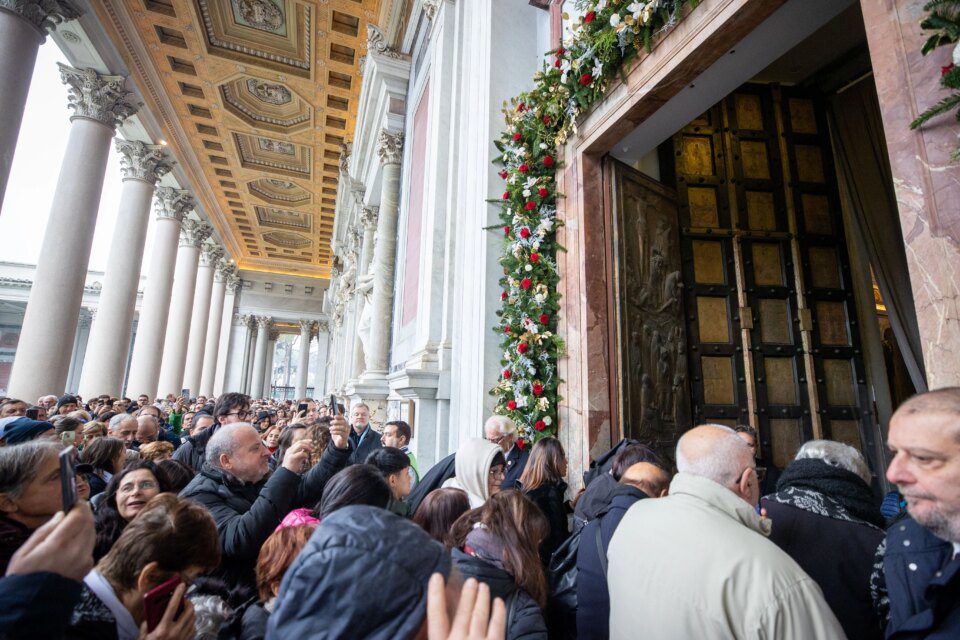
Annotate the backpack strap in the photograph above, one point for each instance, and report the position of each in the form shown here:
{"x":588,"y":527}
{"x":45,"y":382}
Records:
{"x":600,"y":550}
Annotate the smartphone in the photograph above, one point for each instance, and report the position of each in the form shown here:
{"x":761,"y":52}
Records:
{"x":185,"y":394}
{"x":33,"y":414}
{"x":301,"y":407}
{"x":68,"y":478}
{"x":156,"y":600}
{"x":334,"y":406}
{"x":68,"y":438}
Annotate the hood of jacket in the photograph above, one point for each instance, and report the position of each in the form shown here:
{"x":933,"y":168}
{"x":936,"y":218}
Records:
{"x":473,"y":469}
{"x":501,"y":583}
{"x":363,"y":574}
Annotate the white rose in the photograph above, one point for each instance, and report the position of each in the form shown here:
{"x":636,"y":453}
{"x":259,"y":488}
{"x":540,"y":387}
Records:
{"x":528,"y":268}
{"x":614,"y":19}
{"x":547,"y":420}
{"x":543,"y":145}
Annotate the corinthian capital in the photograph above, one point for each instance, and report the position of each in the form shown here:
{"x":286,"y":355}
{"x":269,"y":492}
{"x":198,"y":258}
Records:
{"x":430,"y":8}
{"x":44,"y":15}
{"x":274,"y":334}
{"x":210,"y":255}
{"x":193,"y":233}
{"x":234,"y":282}
{"x":264,"y":322}
{"x":323,"y":327}
{"x":306,"y":326}
{"x":224,"y":271}
{"x":390,"y":146}
{"x":96,"y":97}
{"x":172,"y":203}
{"x":140,"y":161}
{"x":368,"y":217}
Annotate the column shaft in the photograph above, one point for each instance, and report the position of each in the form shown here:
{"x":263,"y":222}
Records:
{"x":50,"y":322}
{"x":218,"y":337}
{"x":260,"y":356}
{"x":320,"y":375}
{"x":384,"y":257}
{"x":178,"y":326}
{"x":199,"y":319}
{"x":303,"y":367}
{"x":268,"y":368}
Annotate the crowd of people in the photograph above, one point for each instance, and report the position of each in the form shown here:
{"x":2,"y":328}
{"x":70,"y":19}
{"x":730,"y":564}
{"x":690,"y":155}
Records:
{"x":244,"y":519}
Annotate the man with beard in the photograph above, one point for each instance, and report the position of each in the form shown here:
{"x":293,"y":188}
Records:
{"x":922,"y":559}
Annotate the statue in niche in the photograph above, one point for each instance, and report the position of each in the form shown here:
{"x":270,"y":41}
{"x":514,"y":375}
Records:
{"x":365,"y":323}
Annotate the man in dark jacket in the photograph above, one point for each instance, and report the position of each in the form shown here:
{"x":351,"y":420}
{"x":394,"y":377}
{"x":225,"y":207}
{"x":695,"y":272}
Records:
{"x":363,"y":438}
{"x":247,"y":501}
{"x":639,"y":481}
{"x":363,"y":574}
{"x":922,"y":561}
{"x":230,"y":408}
{"x":605,"y":478}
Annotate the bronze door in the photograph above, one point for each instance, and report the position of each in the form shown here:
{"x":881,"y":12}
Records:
{"x":652,"y":367}
{"x":769,"y":305}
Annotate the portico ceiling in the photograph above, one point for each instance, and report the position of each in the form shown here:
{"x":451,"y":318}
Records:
{"x":265,"y":93}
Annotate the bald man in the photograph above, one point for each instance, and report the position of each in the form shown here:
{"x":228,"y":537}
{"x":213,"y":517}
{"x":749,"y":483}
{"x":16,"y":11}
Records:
{"x":639,"y":481}
{"x":697,"y":564}
{"x":922,"y":559}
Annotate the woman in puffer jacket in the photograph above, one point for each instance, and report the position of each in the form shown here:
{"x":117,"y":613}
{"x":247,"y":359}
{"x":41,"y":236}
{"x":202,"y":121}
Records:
{"x":498,"y":544}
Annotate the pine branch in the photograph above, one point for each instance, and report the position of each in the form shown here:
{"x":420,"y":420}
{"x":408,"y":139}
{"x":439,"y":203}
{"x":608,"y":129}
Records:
{"x":948,"y":103}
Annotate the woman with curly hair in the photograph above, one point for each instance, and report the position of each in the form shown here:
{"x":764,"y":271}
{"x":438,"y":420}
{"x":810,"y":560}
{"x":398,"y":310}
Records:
{"x":126,"y":495}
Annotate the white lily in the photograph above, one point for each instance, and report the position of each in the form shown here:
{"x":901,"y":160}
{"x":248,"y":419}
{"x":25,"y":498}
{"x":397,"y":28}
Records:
{"x":636,"y":8}
{"x":614,"y":19}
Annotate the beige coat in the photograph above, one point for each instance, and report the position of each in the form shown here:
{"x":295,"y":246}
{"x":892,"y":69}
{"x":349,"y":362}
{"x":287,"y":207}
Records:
{"x":697,"y":565}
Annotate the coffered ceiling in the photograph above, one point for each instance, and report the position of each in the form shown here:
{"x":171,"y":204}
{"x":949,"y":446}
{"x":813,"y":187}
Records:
{"x":265,"y":93}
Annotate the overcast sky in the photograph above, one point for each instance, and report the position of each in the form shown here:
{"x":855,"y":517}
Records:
{"x":36,"y":166}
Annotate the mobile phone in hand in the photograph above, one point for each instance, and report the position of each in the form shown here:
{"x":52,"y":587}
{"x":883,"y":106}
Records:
{"x":335,"y":406}
{"x":185,"y":394}
{"x":301,"y":407}
{"x":33,"y":414}
{"x":156,"y":600}
{"x":68,"y":478}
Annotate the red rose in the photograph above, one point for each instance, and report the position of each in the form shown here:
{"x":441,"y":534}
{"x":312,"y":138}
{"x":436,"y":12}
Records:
{"x":506,"y":231}
{"x":524,"y":233}
{"x":534,"y":257}
{"x":506,"y":329}
{"x":548,"y":161}
{"x":947,"y":69}
{"x":542,"y":192}
{"x":540,"y":425}
{"x":530,"y":206}
{"x":512,"y":405}
{"x":503,"y":174}
{"x":525,"y":283}
{"x":506,"y":195}
{"x":520,"y":107}
{"x":587,"y":19}
{"x":523,"y":168}
{"x":546,"y":119}
{"x":522,"y":347}
{"x":586,"y":79}
{"x":503,"y":296}
{"x":516,"y":137}
{"x":556,"y":63}
{"x":506,"y":374}
{"x":521,"y":444}
{"x":561,"y":51}
{"x":537,"y":389}
{"x":544,"y":318}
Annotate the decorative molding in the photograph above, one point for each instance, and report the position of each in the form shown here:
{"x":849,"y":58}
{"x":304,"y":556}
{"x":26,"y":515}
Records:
{"x":210,"y":254}
{"x":323,"y":326}
{"x":306,"y":326}
{"x":263,"y":322}
{"x":223,"y":270}
{"x":390,"y":146}
{"x":141,"y":161}
{"x":43,"y":15}
{"x":193,"y":233}
{"x":345,"y":150}
{"x":430,"y":8}
{"x":368,"y":217}
{"x":274,"y":334}
{"x":96,"y":97}
{"x":172,"y":204}
{"x":377,"y":43}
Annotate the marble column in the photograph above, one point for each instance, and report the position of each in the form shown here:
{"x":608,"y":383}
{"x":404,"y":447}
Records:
{"x":260,"y":356}
{"x":390,"y":150}
{"x":273,"y":336}
{"x":170,"y":207}
{"x":80,"y":349}
{"x":369,"y":221}
{"x":24,"y":25}
{"x":249,"y":353}
{"x":173,"y":365}
{"x":232,"y":283}
{"x":99,"y":104}
{"x":303,"y":367}
{"x":323,"y":349}
{"x":214,"y":322}
{"x":142,"y":165}
{"x":210,"y":257}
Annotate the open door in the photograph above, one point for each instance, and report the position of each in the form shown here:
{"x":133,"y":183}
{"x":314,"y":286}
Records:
{"x":651,"y":371}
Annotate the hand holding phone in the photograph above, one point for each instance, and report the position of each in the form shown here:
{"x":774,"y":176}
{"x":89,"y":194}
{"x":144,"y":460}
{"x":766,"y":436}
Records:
{"x":167,"y":612}
{"x":68,"y":478}
{"x":334,"y":406}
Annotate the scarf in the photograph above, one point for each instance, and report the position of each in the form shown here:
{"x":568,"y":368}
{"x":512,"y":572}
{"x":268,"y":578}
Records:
{"x":821,"y":488}
{"x":482,"y":544}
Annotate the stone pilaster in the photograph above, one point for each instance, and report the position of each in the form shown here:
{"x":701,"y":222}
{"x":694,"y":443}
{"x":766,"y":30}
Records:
{"x":170,"y":207}
{"x":43,"y":354}
{"x":142,"y":165}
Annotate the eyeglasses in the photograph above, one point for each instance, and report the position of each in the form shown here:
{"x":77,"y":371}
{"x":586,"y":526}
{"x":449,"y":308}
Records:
{"x":497,"y":440}
{"x":143,"y":485}
{"x":496,"y":474}
{"x":240,"y":414}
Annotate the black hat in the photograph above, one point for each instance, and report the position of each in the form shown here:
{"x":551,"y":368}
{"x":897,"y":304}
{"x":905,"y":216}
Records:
{"x":67,"y":399}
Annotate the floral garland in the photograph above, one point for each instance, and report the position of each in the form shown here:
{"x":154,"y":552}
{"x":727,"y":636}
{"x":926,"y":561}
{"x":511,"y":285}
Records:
{"x":944,"y":18}
{"x":609,"y":34}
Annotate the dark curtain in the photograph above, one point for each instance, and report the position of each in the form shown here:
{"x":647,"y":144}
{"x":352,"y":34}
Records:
{"x":856,"y":131}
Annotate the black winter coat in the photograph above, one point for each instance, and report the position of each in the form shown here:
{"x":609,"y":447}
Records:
{"x":524,"y":617}
{"x":595,"y":499}
{"x":550,"y":500}
{"x":193,"y":451}
{"x":36,"y":605}
{"x":593,"y":598}
{"x":923,"y":583}
{"x":838,"y":555}
{"x":370,"y":443}
{"x":516,"y":463}
{"x":246,"y":514}
{"x":253,"y":625}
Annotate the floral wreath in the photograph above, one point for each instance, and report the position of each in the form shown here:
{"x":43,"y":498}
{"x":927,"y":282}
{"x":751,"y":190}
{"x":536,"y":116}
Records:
{"x":609,"y":34}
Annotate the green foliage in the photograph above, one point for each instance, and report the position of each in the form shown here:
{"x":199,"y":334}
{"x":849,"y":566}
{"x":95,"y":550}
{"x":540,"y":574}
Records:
{"x":944,"y":20}
{"x":538,"y":123}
